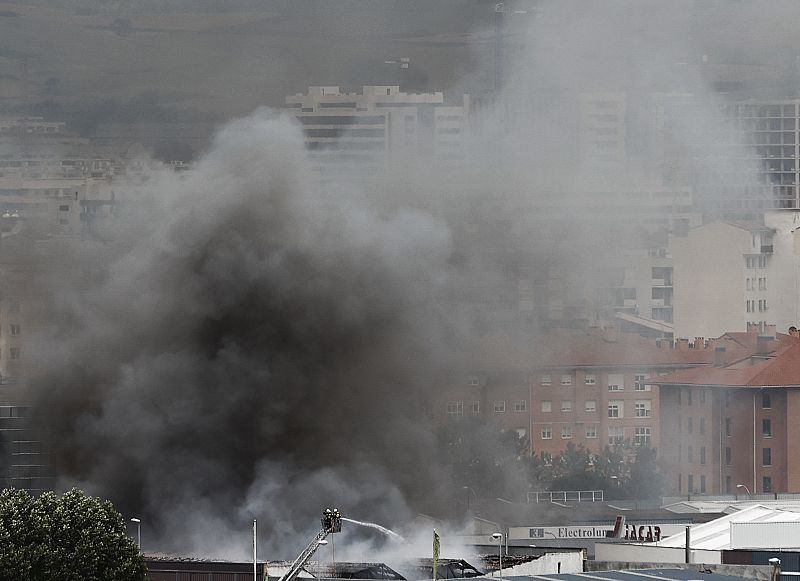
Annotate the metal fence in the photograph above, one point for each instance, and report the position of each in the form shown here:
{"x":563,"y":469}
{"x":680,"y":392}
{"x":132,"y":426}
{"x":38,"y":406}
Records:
{"x":566,"y":496}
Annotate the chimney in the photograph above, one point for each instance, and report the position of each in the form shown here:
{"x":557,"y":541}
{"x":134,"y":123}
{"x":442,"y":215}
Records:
{"x":771,"y":330}
{"x":719,"y":355}
{"x":699,"y":343}
{"x":764,"y":344}
{"x":682,"y":344}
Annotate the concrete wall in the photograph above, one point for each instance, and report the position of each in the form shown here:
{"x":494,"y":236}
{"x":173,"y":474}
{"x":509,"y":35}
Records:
{"x":651,"y":554}
{"x":759,"y":572}
{"x":549,"y":563}
{"x":709,"y":281}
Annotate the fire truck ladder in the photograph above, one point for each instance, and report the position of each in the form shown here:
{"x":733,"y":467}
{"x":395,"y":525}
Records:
{"x":331,"y":523}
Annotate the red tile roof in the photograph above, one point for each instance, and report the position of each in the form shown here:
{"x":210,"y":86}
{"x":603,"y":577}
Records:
{"x":782,"y":368}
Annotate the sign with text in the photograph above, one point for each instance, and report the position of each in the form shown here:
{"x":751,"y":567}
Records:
{"x":593,"y":532}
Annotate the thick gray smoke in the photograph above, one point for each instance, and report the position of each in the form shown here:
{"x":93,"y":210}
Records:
{"x":245,"y":345}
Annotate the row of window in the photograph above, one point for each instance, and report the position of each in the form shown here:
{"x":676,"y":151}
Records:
{"x":616,"y":408}
{"x":642,"y":435}
{"x":751,"y":284}
{"x":756,"y":261}
{"x":616,"y":381}
{"x":750,"y":305}
{"x":690,"y":455}
{"x":690,"y":425}
{"x":766,"y":456}
{"x":766,"y":427}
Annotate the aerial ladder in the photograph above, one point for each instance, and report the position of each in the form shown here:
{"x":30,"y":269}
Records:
{"x":331,"y":523}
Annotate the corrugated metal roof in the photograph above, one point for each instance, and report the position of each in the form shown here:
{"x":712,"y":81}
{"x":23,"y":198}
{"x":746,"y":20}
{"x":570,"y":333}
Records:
{"x":690,"y":574}
{"x":716,"y":535}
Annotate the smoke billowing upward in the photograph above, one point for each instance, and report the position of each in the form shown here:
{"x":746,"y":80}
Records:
{"x":244,"y":344}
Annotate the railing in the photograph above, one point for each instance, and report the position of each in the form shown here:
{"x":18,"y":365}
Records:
{"x":731,"y":497}
{"x":566,"y":496}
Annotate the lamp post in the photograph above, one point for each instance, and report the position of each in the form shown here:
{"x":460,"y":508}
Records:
{"x":747,"y":490}
{"x":499,"y":537}
{"x":138,"y":531}
{"x":469,"y":491}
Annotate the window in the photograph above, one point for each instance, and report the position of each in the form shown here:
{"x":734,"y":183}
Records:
{"x":520,"y":405}
{"x":680,"y":482}
{"x":728,"y":459}
{"x":616,"y":382}
{"x":547,"y":407}
{"x":566,"y":379}
{"x":728,"y":429}
{"x":690,"y":454}
{"x":455,"y":408}
{"x":766,"y":428}
{"x":702,"y":484}
{"x":766,"y":484}
{"x":474,"y":408}
{"x":566,"y":405}
{"x":15,"y":330}
{"x":690,"y":424}
{"x":14,"y":353}
{"x":703,"y":425}
{"x":728,"y":485}
{"x":641,"y":436}
{"x":702,"y":398}
{"x":591,"y":431}
{"x":702,"y":455}
{"x":64,"y":208}
{"x":762,"y":284}
{"x":642,"y":409}
{"x":690,"y":483}
{"x":689,"y":397}
{"x":591,"y":406}
{"x":473,"y":381}
{"x":639,"y":383}
{"x":616,"y":409}
{"x":547,"y":433}
{"x":750,"y":306}
{"x":616,"y":435}
{"x":566,"y":432}
{"x":766,"y":456}
{"x":766,"y":401}
{"x":546,"y":380}
{"x":500,"y":406}
{"x":591,"y":379}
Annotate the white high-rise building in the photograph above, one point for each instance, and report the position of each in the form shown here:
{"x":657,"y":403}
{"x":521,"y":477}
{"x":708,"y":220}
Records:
{"x":724,"y":279}
{"x":380,"y":128}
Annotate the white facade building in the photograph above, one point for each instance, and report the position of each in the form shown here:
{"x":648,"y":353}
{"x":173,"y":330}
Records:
{"x":379,"y":128}
{"x":722,"y":281}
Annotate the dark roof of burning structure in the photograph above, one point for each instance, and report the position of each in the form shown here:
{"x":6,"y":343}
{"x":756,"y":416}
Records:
{"x":345,"y":570}
{"x":419,"y":569}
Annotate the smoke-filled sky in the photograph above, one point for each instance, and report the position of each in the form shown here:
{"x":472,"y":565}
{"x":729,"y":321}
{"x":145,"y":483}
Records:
{"x":243,"y":343}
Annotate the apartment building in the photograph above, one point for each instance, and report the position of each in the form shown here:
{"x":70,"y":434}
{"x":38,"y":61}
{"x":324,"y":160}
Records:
{"x":733,"y":423}
{"x":591,"y":389}
{"x":380,"y":128}
{"x":740,"y":157}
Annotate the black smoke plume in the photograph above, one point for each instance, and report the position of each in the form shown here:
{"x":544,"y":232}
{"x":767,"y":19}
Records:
{"x":244,"y":344}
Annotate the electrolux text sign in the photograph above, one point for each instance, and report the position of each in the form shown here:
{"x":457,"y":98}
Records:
{"x":587,"y":532}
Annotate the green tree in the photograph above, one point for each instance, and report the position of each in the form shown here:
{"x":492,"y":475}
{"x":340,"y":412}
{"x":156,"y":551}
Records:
{"x":69,"y":538}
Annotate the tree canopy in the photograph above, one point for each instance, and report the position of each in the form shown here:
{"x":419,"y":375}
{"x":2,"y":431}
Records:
{"x":73,"y":537}
{"x":495,"y":463}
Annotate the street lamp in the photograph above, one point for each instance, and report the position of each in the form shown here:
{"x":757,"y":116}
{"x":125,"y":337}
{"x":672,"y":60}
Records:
{"x":138,"y":531}
{"x":745,"y":488}
{"x":469,"y":490}
{"x":499,"y":537}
